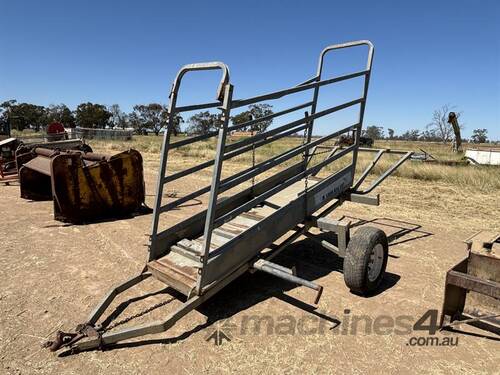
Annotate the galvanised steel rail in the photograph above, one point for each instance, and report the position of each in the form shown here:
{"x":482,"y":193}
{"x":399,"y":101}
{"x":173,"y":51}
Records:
{"x":225,"y":103}
{"x":242,"y":251}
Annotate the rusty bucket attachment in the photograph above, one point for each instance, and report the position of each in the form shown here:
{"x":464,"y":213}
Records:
{"x":14,"y":153}
{"x":472,"y":289}
{"x":84,"y":186}
{"x":8,"y":169}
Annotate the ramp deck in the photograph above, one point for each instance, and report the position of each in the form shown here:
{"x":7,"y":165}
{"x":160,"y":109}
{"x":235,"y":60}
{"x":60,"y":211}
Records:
{"x":179,"y":267}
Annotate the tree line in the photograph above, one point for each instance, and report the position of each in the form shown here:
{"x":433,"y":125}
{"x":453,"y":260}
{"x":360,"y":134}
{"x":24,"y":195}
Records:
{"x":438,"y":130}
{"x":153,"y":118}
{"x":143,"y":118}
{"x":377,"y":132}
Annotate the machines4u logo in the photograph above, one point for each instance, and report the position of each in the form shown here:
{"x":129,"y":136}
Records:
{"x":222,"y":333}
{"x":422,"y":330}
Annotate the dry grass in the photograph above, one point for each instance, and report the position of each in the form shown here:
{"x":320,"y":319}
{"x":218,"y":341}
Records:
{"x":482,"y":178}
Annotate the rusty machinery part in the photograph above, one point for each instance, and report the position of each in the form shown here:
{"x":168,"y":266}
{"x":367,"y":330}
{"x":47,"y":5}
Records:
{"x":472,"y":288}
{"x":70,"y":144}
{"x":67,"y":339}
{"x":345,"y":140}
{"x":25,"y":151}
{"x":14,"y":153}
{"x":85,"y":186}
{"x":8,"y":169}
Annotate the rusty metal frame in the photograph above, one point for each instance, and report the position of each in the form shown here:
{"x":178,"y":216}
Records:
{"x":478,"y":273}
{"x":458,"y":284}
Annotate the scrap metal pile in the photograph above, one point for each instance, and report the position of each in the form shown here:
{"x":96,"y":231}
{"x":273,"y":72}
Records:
{"x":8,"y":168}
{"x":13,"y":149}
{"x":83,"y":186}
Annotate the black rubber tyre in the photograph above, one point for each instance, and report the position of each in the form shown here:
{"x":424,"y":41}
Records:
{"x":366,"y":260}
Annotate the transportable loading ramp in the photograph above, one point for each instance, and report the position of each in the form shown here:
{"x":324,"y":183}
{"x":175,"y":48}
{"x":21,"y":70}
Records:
{"x":237,"y":232}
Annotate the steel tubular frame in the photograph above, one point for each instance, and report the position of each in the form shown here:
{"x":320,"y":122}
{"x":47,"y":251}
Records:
{"x":225,"y":151}
{"x":217,"y":268}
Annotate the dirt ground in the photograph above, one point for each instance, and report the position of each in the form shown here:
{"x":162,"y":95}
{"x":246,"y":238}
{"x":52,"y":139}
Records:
{"x":53,"y":274}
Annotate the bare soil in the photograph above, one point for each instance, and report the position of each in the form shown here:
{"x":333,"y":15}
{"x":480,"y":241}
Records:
{"x":53,"y":274}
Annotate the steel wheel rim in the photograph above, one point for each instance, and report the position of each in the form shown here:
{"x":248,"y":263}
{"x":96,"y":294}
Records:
{"x":376,"y":262}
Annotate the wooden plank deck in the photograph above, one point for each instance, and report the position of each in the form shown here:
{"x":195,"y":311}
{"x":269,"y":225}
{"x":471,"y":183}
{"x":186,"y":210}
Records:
{"x":179,"y":268}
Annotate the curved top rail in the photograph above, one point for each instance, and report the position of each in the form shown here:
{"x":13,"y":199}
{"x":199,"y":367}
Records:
{"x":214,"y":65}
{"x":327,"y":49}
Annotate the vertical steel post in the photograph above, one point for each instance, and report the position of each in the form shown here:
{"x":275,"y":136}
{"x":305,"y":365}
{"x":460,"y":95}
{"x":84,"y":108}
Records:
{"x":214,"y":190}
{"x":362,"y":106}
{"x":163,"y":168}
{"x":314,"y":104}
{"x":319,"y":72}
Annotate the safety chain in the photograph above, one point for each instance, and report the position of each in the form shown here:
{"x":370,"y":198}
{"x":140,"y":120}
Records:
{"x":253,"y":163}
{"x":135,"y":316}
{"x":322,"y":152}
{"x":68,"y":339}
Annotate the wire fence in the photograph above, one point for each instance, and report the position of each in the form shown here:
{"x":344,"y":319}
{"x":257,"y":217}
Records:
{"x":106,"y":134}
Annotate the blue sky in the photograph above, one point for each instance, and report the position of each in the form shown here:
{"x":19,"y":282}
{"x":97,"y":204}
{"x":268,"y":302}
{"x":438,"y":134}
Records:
{"x":428,"y":53}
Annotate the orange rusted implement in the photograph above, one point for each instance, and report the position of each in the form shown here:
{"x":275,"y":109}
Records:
{"x":84,"y":186}
{"x":472,"y":289}
{"x":8,"y":170}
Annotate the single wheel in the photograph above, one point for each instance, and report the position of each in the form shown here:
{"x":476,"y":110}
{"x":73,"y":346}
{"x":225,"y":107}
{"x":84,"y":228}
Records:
{"x":365,"y":260}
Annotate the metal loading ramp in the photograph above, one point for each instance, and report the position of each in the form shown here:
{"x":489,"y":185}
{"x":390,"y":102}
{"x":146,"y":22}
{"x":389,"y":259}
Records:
{"x":238,"y":232}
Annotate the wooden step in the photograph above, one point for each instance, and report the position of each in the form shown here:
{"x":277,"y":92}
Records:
{"x":186,"y":253}
{"x":191,"y":246}
{"x":224,"y":232}
{"x":177,"y":271}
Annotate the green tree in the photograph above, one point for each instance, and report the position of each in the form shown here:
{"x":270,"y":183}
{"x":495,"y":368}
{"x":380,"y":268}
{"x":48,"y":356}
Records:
{"x":178,"y":120}
{"x":391,"y":133}
{"x":429,"y":135}
{"x":152,"y":116}
{"x":374,"y":132}
{"x":136,"y":122}
{"x":258,"y":111}
{"x":5,"y":109}
{"x":241,"y":118}
{"x":203,"y":122}
{"x":255,"y":111}
{"x":479,"y":136}
{"x":25,"y":115}
{"x":60,"y":113}
{"x":119,"y":119}
{"x":411,"y":135}
{"x":90,"y":115}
